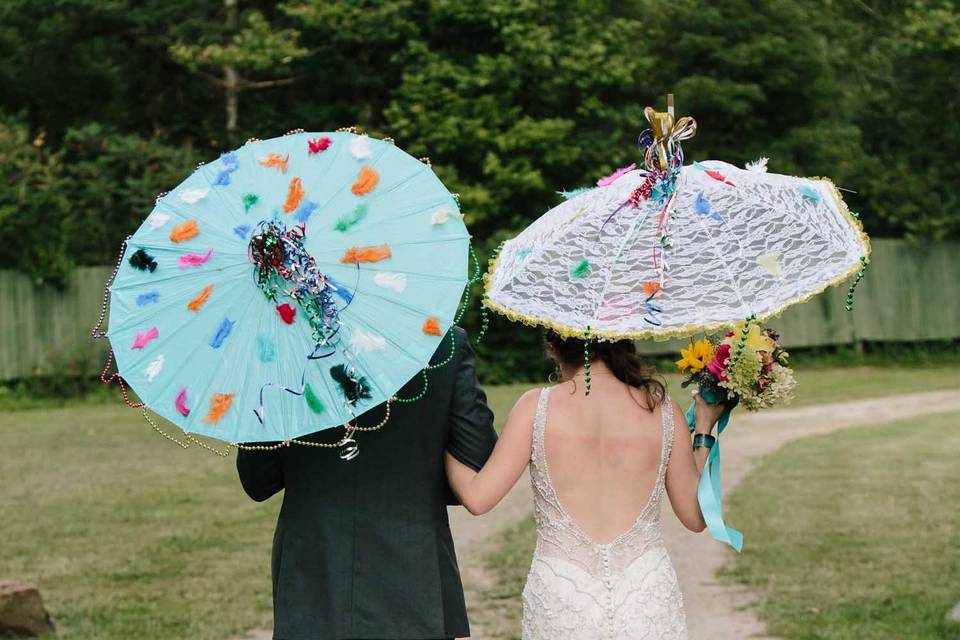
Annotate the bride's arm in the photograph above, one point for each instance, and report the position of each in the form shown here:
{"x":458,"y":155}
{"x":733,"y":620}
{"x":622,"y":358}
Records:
{"x":686,"y":464}
{"x":480,"y":491}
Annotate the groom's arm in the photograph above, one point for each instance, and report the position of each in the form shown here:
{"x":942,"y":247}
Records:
{"x":471,"y":433}
{"x":261,"y":473}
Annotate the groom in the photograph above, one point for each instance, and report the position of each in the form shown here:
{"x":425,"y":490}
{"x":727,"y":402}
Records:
{"x":363,"y":548}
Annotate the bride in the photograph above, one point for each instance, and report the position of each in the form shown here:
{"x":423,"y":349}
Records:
{"x":599,"y":465}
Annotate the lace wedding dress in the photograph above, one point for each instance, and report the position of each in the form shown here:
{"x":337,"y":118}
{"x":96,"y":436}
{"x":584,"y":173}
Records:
{"x":580,"y":590}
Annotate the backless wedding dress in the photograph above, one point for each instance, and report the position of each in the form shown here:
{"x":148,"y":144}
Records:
{"x":577,"y":589}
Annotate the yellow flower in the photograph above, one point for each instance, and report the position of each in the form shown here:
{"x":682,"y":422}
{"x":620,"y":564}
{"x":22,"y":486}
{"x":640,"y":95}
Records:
{"x":696,"y":356}
{"x":756,"y":338}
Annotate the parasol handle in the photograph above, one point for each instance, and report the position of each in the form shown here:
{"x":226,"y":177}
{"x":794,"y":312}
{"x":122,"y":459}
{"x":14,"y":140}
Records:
{"x":670,"y":105}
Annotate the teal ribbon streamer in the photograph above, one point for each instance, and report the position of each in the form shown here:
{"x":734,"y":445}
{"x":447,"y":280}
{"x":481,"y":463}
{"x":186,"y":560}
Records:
{"x":709,"y":492}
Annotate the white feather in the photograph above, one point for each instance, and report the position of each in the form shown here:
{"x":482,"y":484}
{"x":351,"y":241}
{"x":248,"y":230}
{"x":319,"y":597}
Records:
{"x":390,"y":280}
{"x":443,"y":215}
{"x":153,"y":369}
{"x":157,"y":220}
{"x":365,"y":342}
{"x":758,"y":166}
{"x":360,"y":147}
{"x":193,"y":196}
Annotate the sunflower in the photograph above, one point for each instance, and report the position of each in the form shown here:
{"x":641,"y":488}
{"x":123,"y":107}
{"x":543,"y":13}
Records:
{"x":696,"y":356}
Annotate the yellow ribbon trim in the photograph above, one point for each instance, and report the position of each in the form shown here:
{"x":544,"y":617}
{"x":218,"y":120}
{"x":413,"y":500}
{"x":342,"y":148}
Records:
{"x":684,"y":331}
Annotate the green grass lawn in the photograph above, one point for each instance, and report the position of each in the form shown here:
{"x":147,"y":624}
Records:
{"x":127,"y":536}
{"x":856,"y":535}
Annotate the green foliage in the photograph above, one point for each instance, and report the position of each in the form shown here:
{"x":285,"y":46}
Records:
{"x":512,"y":100}
{"x":257,"y":47}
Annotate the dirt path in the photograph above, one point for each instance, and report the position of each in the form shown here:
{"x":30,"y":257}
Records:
{"x":715,"y":611}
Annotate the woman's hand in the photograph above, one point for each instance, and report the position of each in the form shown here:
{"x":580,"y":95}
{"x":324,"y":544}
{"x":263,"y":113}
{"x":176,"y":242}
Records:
{"x":705,"y":414}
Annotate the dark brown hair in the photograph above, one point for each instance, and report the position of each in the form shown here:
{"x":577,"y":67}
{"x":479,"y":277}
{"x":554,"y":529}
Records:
{"x":620,"y":356}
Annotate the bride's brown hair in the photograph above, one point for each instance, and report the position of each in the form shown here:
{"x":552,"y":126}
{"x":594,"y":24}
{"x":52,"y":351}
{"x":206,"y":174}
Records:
{"x":620,"y":356}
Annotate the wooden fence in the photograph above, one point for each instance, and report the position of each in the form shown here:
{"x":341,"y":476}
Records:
{"x":911,"y":293}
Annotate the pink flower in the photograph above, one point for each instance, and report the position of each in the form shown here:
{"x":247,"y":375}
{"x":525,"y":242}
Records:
{"x":718,"y":366}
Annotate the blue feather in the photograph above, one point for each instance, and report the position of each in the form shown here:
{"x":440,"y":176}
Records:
{"x":148,"y":298}
{"x":703,"y":207}
{"x":226,"y":326}
{"x":305,"y":210}
{"x":242,"y":231}
{"x":569,"y":195}
{"x":809,"y":192}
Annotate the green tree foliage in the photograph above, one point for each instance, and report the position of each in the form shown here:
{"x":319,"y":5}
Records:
{"x":511,"y":99}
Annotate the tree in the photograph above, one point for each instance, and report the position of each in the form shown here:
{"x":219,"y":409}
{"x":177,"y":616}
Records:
{"x":256,"y":48}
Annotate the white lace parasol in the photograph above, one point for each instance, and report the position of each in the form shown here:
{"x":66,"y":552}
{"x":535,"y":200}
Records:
{"x":661,"y":254}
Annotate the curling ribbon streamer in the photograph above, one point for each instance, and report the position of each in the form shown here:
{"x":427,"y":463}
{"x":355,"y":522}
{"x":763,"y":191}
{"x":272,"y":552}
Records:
{"x":709,"y":492}
{"x":667,"y":134}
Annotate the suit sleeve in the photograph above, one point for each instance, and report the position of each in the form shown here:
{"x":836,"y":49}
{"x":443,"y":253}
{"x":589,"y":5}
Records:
{"x":261,"y":473}
{"x":471,"y":433}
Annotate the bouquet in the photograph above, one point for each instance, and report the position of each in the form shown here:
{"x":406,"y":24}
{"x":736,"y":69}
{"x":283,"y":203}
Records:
{"x":747,"y":367}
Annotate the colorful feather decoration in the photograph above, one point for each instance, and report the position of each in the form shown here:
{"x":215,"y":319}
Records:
{"x":809,"y":192}
{"x":579,"y":269}
{"x":312,"y":400}
{"x":318,"y":145}
{"x":356,"y":255}
{"x":185,"y":231}
{"x":570,"y":195}
{"x":606,"y":181}
{"x":294,"y":195}
{"x":201,"y":299}
{"x":180,"y":402}
{"x":354,"y":388}
{"x":305,"y":210}
{"x":194,"y":259}
{"x":219,"y":405}
{"x":230,"y":164}
{"x":366,"y":181}
{"x":249,"y":200}
{"x":348,"y":220}
{"x":226,"y":326}
{"x":702,"y":206}
{"x":153,"y":369}
{"x":143,"y":338}
{"x":149,"y":297}
{"x":143,"y":261}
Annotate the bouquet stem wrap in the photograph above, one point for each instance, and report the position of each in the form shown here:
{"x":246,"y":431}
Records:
{"x":709,"y":492}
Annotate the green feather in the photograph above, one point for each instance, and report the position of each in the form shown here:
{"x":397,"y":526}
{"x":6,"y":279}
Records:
{"x":312,"y":400}
{"x":580,"y":269}
{"x":348,"y":220}
{"x":249,"y":200}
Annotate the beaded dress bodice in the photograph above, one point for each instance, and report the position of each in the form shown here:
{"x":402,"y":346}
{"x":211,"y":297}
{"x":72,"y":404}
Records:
{"x":579,"y":589}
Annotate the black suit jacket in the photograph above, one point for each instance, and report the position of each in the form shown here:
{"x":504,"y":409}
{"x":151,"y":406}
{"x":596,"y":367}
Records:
{"x":363,"y":547}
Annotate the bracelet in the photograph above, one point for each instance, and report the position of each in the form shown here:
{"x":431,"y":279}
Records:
{"x":703,"y":440}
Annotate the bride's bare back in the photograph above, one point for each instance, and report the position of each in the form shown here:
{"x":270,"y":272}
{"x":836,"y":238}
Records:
{"x":603,"y":453}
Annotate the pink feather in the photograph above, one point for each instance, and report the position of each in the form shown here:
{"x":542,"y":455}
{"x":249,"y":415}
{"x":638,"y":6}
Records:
{"x":144,"y":337}
{"x":194,"y":259}
{"x":181,"y":402}
{"x":613,"y":177}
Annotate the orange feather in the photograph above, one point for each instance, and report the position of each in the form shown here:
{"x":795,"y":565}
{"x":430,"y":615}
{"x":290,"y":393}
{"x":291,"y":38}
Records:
{"x":275,"y":161}
{"x":185,"y":231}
{"x":294,"y":195}
{"x":366,"y":182}
{"x":431,"y":326}
{"x":201,"y":299}
{"x":356,"y":255}
{"x":219,"y":405}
